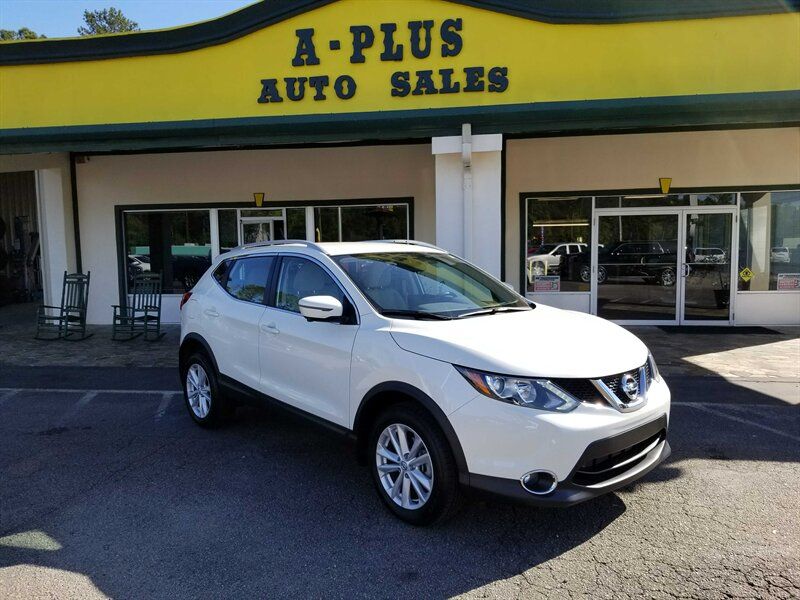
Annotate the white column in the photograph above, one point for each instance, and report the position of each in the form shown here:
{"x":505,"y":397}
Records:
{"x":53,"y":234}
{"x":468,"y":224}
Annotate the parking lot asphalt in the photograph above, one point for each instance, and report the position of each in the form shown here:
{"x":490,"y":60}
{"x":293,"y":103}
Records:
{"x":107,"y":489}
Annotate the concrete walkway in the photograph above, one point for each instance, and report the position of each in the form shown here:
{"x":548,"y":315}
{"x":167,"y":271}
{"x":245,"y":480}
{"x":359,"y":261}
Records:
{"x":772,"y":354}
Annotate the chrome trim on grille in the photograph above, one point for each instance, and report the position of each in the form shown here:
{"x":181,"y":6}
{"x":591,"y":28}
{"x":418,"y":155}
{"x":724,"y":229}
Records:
{"x":624,"y":405}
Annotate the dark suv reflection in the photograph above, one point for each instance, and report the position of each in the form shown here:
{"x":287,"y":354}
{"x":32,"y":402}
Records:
{"x":652,"y":261}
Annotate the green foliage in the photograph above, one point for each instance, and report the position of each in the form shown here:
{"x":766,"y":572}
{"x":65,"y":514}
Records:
{"x":107,"y":20}
{"x":8,"y":35}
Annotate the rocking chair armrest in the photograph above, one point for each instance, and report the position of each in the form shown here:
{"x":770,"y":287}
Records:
{"x":50,"y":313}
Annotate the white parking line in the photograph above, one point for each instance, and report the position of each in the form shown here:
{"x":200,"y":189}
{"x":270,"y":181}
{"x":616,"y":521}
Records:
{"x":75,"y":408}
{"x":706,"y":408}
{"x":85,"y":391}
{"x":165,"y":400}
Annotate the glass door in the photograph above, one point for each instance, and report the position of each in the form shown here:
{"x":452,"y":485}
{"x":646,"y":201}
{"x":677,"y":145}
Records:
{"x":262,"y":230}
{"x":707,"y":270}
{"x":636,"y":266}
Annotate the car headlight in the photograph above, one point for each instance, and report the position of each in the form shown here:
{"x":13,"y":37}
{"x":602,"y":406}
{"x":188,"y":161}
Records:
{"x":651,"y":362}
{"x":541,"y":394}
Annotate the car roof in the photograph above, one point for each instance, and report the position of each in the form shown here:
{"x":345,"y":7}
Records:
{"x":335,"y":248}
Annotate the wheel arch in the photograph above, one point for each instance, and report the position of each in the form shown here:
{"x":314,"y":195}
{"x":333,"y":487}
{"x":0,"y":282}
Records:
{"x":194,"y":342}
{"x":394,"y":392}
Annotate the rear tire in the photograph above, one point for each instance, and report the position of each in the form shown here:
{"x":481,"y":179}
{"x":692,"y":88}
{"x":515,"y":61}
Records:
{"x":204,"y":400}
{"x":426,"y":490}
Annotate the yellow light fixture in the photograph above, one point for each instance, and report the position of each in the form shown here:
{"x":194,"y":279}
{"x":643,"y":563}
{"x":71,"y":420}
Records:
{"x":259,"y":199}
{"x":665,"y":182}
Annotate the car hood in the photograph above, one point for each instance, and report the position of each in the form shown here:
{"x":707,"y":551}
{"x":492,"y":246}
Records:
{"x":544,"y":342}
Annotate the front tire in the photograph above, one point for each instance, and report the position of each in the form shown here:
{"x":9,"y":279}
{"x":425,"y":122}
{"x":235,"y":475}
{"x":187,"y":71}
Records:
{"x":204,"y":400}
{"x":412,"y":466}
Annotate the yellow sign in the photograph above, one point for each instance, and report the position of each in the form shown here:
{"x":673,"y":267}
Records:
{"x":746,"y":274}
{"x":407,"y":55}
{"x":665,"y":182}
{"x":259,"y":198}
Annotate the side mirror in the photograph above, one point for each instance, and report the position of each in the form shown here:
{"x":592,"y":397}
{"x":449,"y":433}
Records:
{"x":321,"y":308}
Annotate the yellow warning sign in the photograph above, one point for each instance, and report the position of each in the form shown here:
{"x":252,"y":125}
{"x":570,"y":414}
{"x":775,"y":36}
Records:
{"x":746,"y":274}
{"x":665,"y":183}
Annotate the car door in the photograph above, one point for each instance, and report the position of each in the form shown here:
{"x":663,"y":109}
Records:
{"x":232,"y":312}
{"x":307,"y":363}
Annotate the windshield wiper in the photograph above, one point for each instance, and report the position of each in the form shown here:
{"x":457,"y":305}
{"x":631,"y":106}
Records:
{"x":415,"y":314}
{"x":492,"y":310}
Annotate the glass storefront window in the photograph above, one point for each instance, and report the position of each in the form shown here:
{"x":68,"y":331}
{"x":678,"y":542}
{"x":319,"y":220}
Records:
{"x":176,"y":244}
{"x":558,"y":244}
{"x":361,"y":223}
{"x":326,"y":224}
{"x":262,"y":212}
{"x":228,"y":234}
{"x":769,"y":241}
{"x":658,"y":200}
{"x":295,"y":223}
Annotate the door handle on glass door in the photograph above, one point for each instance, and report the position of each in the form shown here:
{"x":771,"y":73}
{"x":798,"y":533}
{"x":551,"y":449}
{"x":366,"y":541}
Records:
{"x":211,"y":312}
{"x":269,"y":328}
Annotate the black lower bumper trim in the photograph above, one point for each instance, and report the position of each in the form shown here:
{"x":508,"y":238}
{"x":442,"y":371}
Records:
{"x":565,"y":494}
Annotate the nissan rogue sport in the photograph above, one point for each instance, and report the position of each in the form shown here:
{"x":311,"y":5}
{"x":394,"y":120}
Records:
{"x":446,"y":378}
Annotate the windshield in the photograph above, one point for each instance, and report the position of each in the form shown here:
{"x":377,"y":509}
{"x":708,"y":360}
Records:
{"x":416,"y":285}
{"x":546,"y":248}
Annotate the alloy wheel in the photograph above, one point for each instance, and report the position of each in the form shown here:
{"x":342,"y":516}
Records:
{"x":198,"y":390}
{"x":404,"y":466}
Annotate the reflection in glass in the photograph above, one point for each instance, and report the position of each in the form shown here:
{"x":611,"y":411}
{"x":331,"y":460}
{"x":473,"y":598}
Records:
{"x":387,"y":222}
{"x":295,"y":223}
{"x":228,"y":234}
{"x":657,"y":200}
{"x":637,"y":267}
{"x":326,"y":224}
{"x":707,"y":267}
{"x":558,"y":244}
{"x":769,"y":240}
{"x":176,"y":244}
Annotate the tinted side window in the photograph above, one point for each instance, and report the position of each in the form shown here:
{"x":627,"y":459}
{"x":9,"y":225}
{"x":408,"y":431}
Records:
{"x":247,"y":278}
{"x":300,"y":278}
{"x":221,"y":272}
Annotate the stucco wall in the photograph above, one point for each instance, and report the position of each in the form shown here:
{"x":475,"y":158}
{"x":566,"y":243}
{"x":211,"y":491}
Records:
{"x":389,"y":171}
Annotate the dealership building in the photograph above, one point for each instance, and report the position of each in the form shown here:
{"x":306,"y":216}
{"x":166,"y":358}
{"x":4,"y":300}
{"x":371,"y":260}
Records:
{"x":635,"y":160}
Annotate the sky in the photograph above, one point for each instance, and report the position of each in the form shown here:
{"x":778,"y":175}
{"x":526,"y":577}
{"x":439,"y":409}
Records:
{"x":61,"y":18}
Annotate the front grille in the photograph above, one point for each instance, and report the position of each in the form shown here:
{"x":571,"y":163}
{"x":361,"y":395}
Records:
{"x":603,"y":468}
{"x":580,"y":389}
{"x":584,"y":390}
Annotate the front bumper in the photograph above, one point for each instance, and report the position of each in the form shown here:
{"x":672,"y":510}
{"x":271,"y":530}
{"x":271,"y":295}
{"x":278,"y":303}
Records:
{"x":568,"y":491}
{"x":590,"y":451}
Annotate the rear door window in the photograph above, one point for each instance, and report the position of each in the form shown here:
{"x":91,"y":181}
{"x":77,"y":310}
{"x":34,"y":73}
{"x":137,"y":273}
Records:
{"x":247,"y":278}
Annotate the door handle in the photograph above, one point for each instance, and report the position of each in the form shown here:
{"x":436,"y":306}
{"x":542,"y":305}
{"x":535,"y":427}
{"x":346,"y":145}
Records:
{"x":686,"y":270}
{"x":211,"y":312}
{"x":269,"y":328}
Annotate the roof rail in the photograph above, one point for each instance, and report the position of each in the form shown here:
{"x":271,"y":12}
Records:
{"x":410,"y":243}
{"x":305,"y":243}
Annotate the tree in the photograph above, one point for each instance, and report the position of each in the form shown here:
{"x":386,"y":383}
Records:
{"x":7,"y":35}
{"x":107,"y":20}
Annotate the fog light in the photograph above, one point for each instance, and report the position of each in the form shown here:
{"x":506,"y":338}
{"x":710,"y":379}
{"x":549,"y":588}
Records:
{"x":539,"y":482}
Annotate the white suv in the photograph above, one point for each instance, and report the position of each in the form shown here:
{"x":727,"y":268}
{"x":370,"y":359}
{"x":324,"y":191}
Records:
{"x":445,"y":377}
